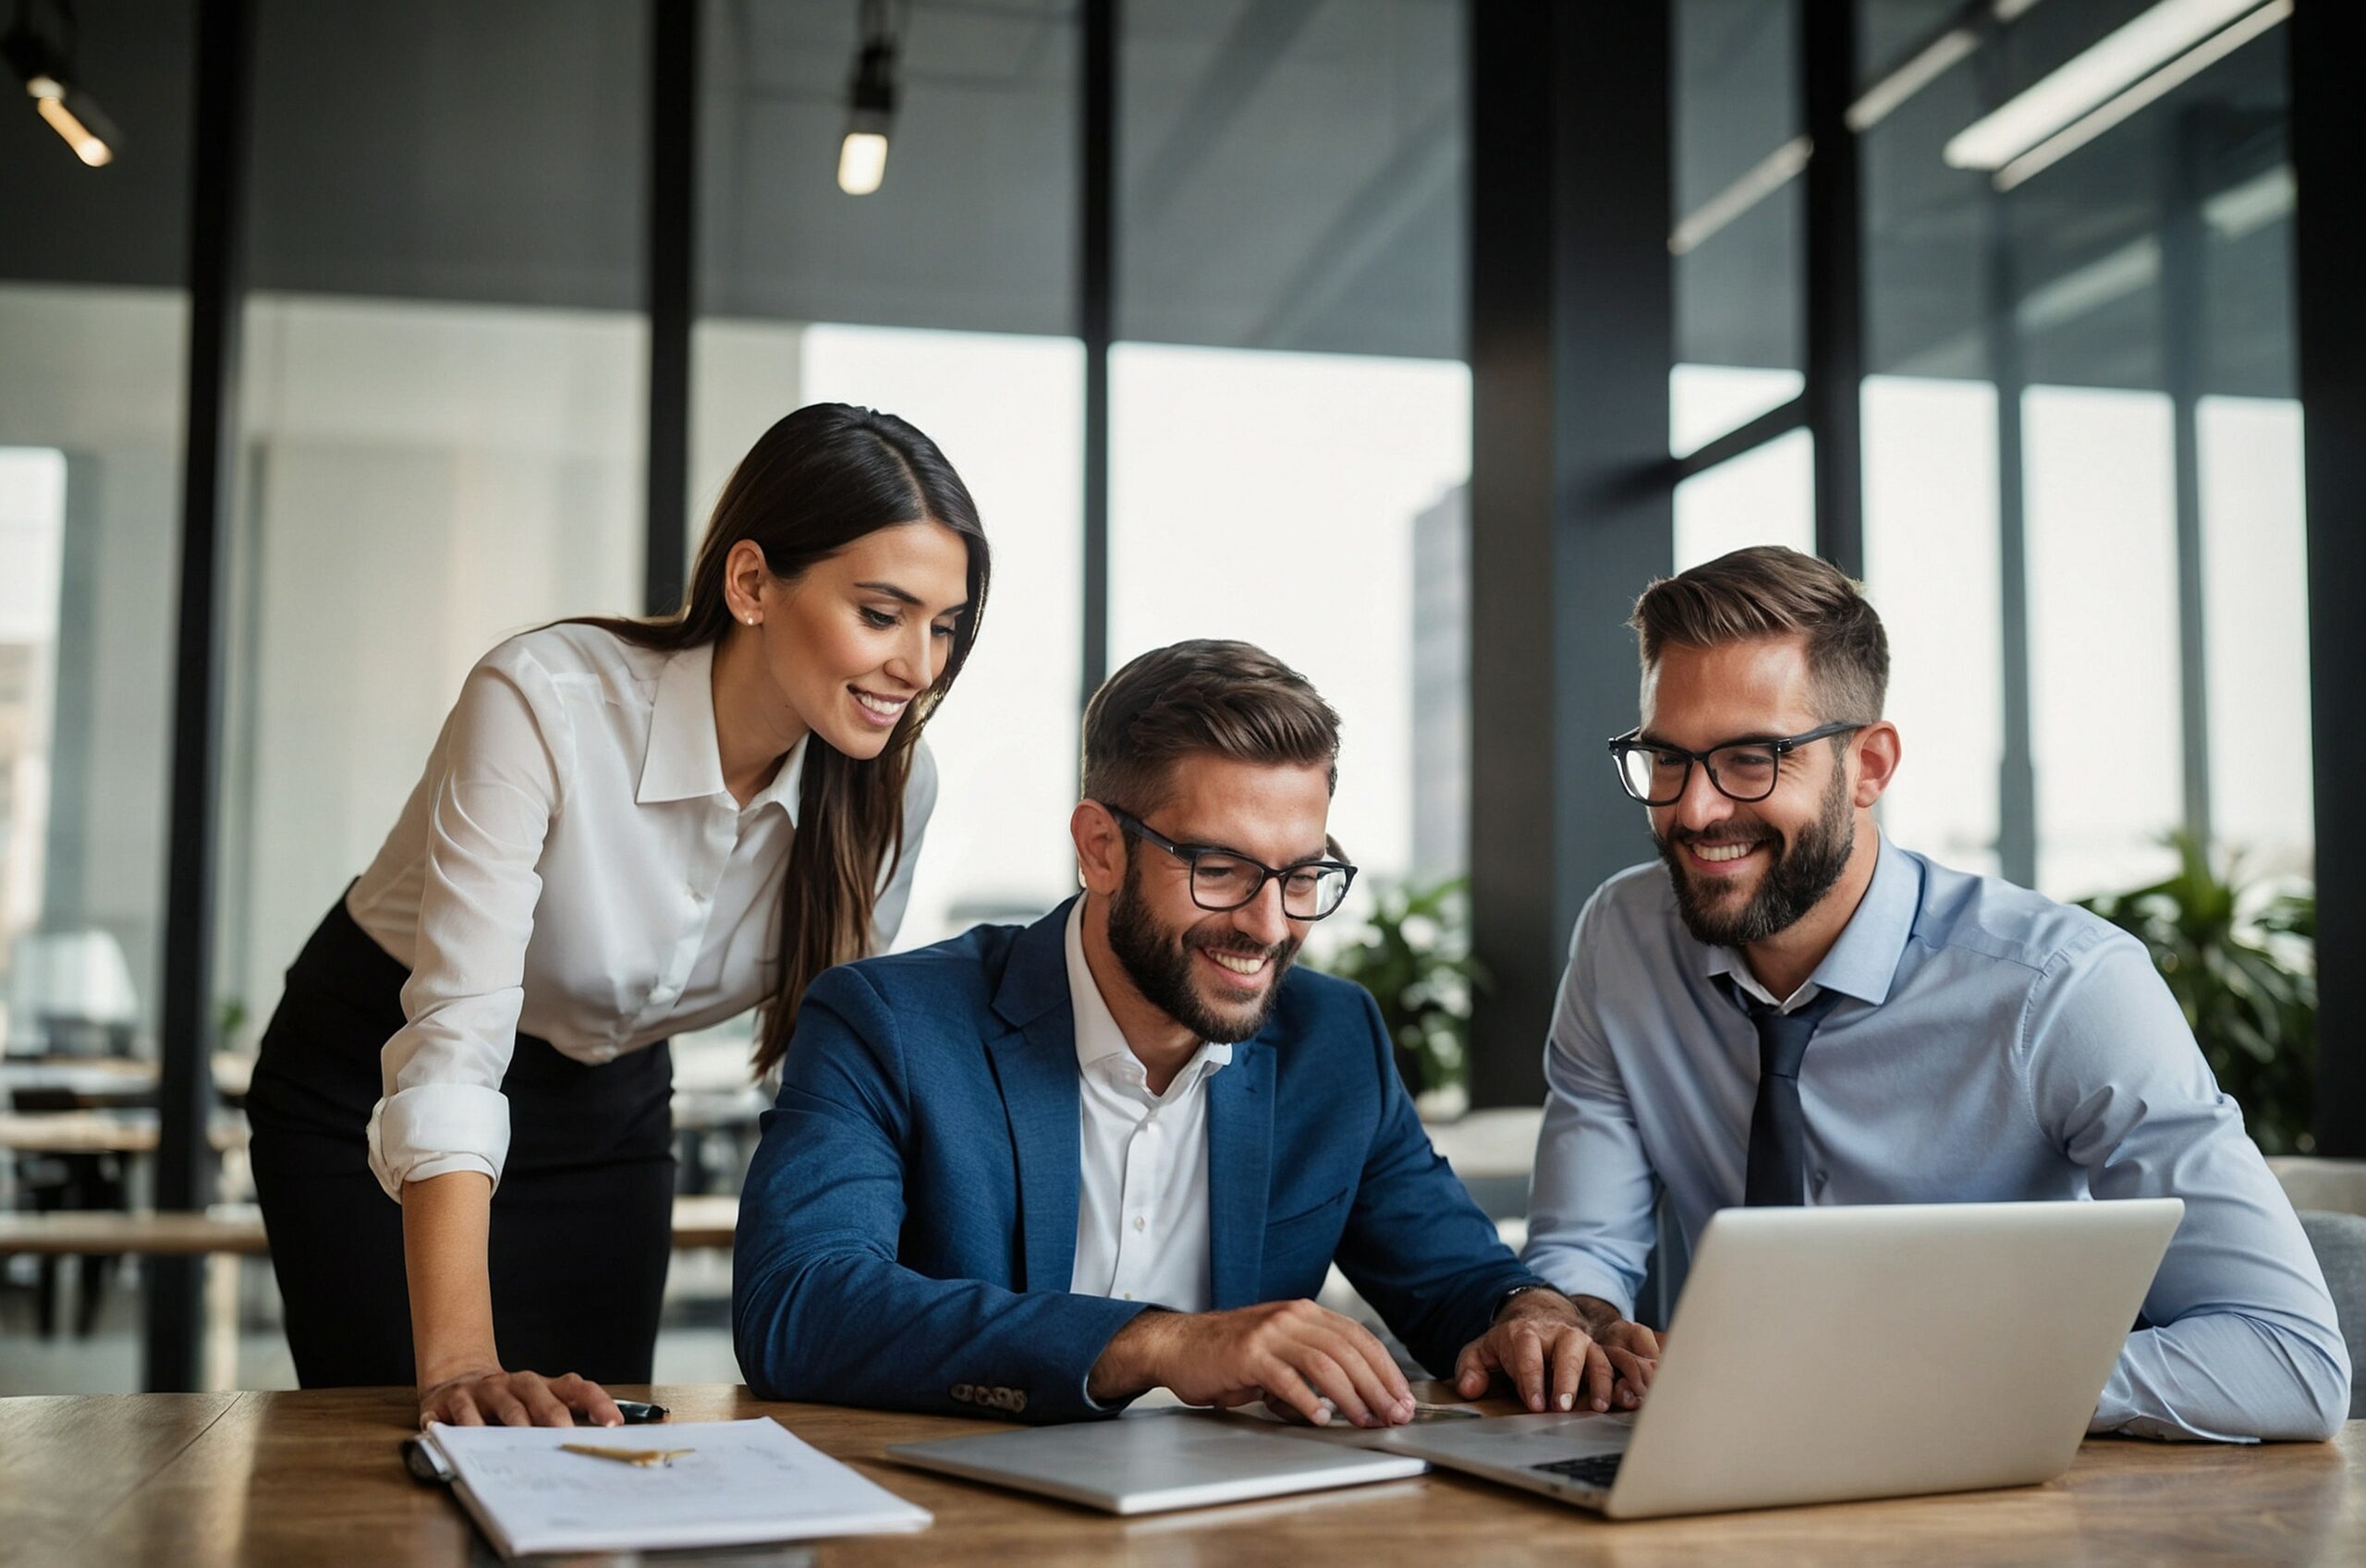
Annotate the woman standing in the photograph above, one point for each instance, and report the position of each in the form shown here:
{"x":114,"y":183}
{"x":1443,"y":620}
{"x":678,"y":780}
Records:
{"x":627,"y":829}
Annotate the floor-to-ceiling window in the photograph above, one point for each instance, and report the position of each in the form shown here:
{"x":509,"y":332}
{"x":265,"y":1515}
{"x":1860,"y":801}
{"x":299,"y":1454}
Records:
{"x":1290,"y":399}
{"x":2078,"y":297}
{"x":93,"y":325}
{"x":442,"y":409}
{"x":2082,"y":503}
{"x":947,"y":296}
{"x":2081,"y":495}
{"x":1736,"y":250}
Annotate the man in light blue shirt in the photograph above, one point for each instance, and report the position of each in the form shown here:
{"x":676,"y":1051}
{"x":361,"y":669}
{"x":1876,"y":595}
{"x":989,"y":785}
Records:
{"x":1793,"y":1009}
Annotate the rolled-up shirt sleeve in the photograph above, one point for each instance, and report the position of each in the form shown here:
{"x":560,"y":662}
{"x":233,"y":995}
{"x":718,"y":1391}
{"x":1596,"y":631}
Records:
{"x":2241,"y":1341}
{"x":1590,"y":1224}
{"x":499,"y":781}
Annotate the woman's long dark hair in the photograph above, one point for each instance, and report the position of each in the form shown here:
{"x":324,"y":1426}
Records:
{"x":815,"y":483}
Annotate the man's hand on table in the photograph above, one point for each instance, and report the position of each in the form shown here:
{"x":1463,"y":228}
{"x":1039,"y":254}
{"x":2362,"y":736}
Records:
{"x":1294,"y":1354}
{"x":1561,"y":1354}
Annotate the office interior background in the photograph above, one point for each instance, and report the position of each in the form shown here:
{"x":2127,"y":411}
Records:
{"x":1408,"y":339}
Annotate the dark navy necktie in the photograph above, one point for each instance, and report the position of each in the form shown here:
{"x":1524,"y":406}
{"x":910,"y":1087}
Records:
{"x":1778,"y":1136}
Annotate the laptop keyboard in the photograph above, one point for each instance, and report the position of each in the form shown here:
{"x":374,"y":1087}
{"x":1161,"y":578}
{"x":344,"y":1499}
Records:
{"x":1595,"y":1470}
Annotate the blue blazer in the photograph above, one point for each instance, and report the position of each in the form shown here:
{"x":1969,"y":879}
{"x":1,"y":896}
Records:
{"x":907,"y":1228}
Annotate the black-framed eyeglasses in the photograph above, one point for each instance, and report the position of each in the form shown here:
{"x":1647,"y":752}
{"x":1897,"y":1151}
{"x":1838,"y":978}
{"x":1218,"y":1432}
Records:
{"x":1744,"y":770}
{"x":1226,"y":878}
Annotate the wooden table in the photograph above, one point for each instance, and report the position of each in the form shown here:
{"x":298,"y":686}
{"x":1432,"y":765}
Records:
{"x":86,"y":1081}
{"x":273,"y":1478}
{"x":101,"y":1132}
{"x":699,"y":1221}
{"x":97,"y":1082}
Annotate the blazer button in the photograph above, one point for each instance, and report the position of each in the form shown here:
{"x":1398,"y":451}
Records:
{"x":963,"y":1393}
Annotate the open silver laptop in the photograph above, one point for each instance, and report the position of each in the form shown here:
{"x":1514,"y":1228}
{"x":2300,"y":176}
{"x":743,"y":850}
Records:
{"x":1822,"y":1354}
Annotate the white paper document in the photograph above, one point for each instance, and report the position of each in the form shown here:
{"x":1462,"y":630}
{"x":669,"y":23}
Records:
{"x":732,"y":1483}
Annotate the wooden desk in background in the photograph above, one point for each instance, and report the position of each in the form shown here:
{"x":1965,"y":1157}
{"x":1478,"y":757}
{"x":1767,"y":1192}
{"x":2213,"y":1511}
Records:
{"x":97,"y":1082}
{"x":236,"y":1228}
{"x":270,"y":1479}
{"x":100,"y":1131}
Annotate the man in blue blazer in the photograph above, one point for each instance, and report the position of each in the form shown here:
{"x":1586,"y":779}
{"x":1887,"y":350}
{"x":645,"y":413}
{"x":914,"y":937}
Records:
{"x":1038,"y":1172}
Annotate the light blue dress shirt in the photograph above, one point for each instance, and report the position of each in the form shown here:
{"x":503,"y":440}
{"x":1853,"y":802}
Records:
{"x":1995,"y":1045}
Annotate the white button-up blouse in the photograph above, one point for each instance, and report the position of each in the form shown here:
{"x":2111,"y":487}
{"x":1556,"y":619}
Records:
{"x":571,"y":866}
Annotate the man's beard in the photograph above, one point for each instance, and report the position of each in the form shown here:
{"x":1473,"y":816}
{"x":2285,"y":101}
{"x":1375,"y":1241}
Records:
{"x":1800,"y":874}
{"x":1160,"y":964}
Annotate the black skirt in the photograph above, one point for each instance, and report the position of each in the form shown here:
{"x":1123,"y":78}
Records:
{"x":582,"y":1219}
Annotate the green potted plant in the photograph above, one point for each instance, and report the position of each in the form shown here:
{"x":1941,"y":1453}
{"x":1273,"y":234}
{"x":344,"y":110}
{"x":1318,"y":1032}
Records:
{"x":1414,"y":957}
{"x":2242,"y":966}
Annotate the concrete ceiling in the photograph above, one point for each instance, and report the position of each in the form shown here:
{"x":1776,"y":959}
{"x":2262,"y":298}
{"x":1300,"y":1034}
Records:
{"x":1291,"y":174}
{"x":2091,"y":300}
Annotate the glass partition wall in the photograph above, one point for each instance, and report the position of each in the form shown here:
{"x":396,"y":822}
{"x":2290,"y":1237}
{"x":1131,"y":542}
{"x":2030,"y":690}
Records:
{"x":946,"y":296}
{"x":2082,"y":508}
{"x":1290,"y":395}
{"x":2075,"y":401}
{"x":94,"y":323}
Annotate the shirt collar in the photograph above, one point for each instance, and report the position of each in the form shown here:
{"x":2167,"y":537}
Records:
{"x":787,"y":784}
{"x":1864,"y":960}
{"x":683,"y":761}
{"x":1097,"y":1035}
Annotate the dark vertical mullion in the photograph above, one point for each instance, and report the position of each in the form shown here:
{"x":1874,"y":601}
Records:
{"x":2329,"y":167}
{"x":2184,"y":334}
{"x":1096,"y":317}
{"x":1512,"y":298}
{"x":1836,"y":354}
{"x":671,"y":263}
{"x":1571,"y":489}
{"x":216,"y":289}
{"x":2015,"y":767}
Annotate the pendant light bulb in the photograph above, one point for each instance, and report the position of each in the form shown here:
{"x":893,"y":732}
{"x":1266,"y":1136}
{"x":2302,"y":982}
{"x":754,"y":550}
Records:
{"x":870,"y":112}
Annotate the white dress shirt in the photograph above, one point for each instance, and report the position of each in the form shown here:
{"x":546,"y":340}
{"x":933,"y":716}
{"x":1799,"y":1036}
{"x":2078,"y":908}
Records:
{"x":1142,"y":1211}
{"x":571,"y":866}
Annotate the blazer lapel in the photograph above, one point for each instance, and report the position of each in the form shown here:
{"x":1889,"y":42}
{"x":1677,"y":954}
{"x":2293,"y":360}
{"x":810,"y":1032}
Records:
{"x":1035,"y":1064}
{"x":1240,"y":1150}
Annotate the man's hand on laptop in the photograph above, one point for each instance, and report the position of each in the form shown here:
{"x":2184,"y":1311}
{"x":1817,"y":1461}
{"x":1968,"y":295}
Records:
{"x":1294,"y":1354}
{"x":1559,"y":1352}
{"x":1641,"y":1347}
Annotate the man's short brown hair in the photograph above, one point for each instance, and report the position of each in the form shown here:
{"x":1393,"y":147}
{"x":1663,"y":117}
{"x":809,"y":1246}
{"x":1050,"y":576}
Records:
{"x":1222,"y":698}
{"x":1767,"y":590}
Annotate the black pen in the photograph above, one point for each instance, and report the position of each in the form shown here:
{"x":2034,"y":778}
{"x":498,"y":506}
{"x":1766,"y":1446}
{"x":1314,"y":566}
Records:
{"x":636,"y":1411}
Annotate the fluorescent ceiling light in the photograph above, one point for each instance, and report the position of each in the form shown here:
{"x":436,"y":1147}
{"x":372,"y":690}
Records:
{"x":2184,"y":68}
{"x":1928,"y":66}
{"x":2232,"y":213}
{"x":2089,"y":79}
{"x":2252,"y":205}
{"x":1778,"y":169}
{"x":2132,"y":267}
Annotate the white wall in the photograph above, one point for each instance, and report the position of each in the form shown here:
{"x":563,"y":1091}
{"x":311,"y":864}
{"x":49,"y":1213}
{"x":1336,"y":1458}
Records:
{"x":97,"y":374}
{"x":423,"y":481}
